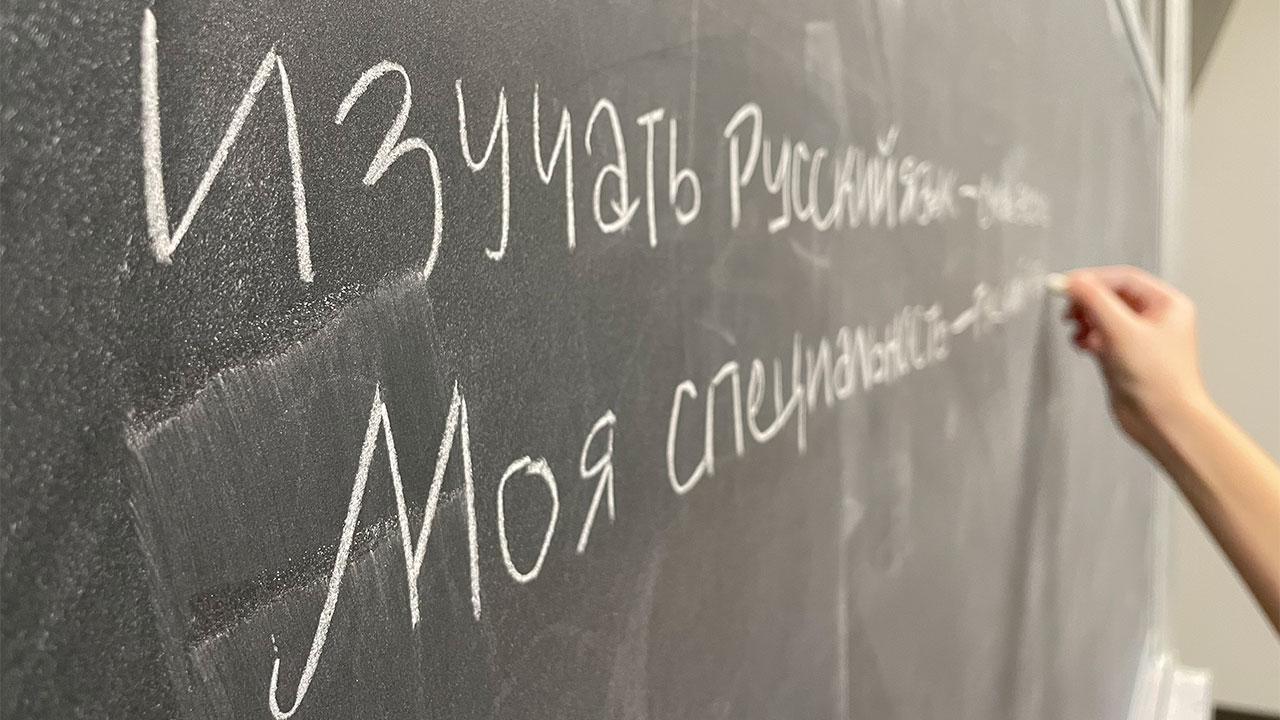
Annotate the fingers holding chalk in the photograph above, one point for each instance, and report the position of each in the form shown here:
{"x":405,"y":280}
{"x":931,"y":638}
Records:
{"x":1086,"y":336}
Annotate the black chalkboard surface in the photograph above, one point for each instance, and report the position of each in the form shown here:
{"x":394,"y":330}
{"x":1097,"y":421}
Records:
{"x":562,"y":359}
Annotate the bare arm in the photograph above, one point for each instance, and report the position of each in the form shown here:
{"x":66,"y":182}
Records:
{"x":1142,"y":333}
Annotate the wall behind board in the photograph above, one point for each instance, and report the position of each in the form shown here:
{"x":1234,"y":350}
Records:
{"x":329,"y":393}
{"x":1230,"y":265}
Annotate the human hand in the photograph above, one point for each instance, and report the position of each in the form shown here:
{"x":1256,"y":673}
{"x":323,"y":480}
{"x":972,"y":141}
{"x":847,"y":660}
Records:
{"x":1143,"y":333}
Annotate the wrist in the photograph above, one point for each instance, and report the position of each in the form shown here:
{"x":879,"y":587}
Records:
{"x":1180,"y":423}
{"x":1187,"y":406}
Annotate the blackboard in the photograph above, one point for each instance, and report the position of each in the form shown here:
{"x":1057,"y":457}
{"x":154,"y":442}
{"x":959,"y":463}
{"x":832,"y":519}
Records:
{"x":334,"y":386}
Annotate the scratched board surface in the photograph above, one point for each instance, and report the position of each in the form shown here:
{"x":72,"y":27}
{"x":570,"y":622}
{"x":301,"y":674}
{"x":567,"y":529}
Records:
{"x":562,"y":359}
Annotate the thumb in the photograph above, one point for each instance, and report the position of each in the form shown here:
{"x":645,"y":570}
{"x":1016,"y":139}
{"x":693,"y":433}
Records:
{"x":1106,"y":310}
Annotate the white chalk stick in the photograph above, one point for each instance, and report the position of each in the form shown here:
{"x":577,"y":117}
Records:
{"x":1056,"y":283}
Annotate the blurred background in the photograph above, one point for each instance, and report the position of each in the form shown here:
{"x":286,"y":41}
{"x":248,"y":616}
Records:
{"x":1222,"y":246}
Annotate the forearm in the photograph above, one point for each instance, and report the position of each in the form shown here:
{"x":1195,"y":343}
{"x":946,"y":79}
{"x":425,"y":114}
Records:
{"x":1233,"y":486}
